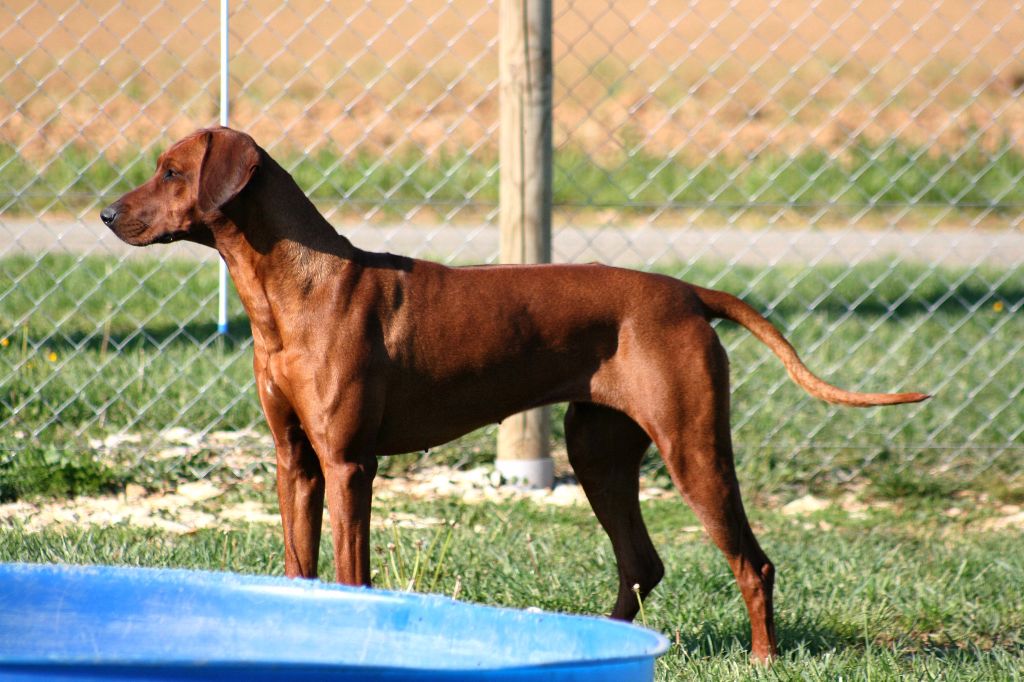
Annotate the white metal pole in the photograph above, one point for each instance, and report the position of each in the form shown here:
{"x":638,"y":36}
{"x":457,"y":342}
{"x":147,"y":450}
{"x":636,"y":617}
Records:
{"x":222,"y":298}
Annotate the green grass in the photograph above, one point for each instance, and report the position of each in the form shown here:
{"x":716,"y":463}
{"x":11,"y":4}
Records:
{"x":134,"y":348}
{"x":57,"y":473}
{"x":903,"y":593}
{"x":876,"y":175}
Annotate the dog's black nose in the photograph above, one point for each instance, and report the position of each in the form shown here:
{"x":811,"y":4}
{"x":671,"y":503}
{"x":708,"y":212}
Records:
{"x":109,"y":215}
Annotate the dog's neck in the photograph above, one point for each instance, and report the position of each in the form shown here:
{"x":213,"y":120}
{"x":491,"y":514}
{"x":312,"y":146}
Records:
{"x":278,"y":250}
{"x":266,"y":221}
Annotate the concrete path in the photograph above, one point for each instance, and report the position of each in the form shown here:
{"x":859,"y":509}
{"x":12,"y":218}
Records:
{"x":627,"y":247}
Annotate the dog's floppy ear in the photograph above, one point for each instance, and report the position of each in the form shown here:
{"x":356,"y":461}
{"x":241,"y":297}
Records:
{"x":230,"y":160}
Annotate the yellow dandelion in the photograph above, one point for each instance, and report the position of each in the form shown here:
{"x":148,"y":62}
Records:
{"x":4,"y":342}
{"x":52,"y":357}
{"x":997,"y":306}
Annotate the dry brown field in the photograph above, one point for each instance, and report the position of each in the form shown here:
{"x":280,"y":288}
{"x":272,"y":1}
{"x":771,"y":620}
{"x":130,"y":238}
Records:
{"x":690,"y":79}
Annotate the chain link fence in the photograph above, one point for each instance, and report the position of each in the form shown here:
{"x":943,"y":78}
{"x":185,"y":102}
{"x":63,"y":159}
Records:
{"x":852,"y":169}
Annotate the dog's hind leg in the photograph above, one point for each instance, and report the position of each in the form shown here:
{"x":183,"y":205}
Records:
{"x":697,"y":450}
{"x":605,"y":449}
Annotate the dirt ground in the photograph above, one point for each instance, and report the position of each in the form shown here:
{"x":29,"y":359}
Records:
{"x":687,"y":79}
{"x":238,"y":482}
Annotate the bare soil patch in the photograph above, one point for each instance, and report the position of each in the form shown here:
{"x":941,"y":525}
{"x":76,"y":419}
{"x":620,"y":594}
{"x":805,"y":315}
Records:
{"x":704,"y":79}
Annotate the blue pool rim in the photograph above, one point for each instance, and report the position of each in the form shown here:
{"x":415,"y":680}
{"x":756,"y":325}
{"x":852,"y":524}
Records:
{"x":113,"y":602}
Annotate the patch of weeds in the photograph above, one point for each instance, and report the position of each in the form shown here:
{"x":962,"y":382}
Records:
{"x":904,"y":485}
{"x":1003,"y":486}
{"x":415,"y":568}
{"x":168,"y":468}
{"x":51,"y":472}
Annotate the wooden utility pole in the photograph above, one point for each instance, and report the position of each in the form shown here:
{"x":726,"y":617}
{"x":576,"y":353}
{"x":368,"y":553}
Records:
{"x":525,"y":213}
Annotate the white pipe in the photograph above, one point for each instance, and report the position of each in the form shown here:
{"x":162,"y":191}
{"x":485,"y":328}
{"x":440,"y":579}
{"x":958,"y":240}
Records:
{"x":222,"y":298}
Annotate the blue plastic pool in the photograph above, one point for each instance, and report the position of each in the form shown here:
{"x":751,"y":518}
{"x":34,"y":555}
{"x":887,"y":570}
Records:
{"x":102,"y":623}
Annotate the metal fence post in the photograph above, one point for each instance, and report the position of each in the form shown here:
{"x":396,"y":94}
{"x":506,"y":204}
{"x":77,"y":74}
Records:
{"x":525,"y":74}
{"x":225,"y":78}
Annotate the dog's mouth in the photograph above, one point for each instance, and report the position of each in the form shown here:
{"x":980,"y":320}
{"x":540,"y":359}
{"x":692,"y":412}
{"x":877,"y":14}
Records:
{"x":167,"y":237}
{"x":128,"y":233}
{"x":137,"y":237}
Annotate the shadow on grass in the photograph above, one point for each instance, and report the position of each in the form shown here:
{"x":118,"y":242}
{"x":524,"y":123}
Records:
{"x":940,"y":292}
{"x":808,"y":637}
{"x":155,"y":337}
{"x":870,"y":290}
{"x":961,"y":300}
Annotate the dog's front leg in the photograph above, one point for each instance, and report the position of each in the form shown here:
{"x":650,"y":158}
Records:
{"x":300,"y":484}
{"x":340,"y":407}
{"x":349,"y":491}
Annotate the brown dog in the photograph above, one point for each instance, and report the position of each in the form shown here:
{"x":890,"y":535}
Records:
{"x":362,"y":354}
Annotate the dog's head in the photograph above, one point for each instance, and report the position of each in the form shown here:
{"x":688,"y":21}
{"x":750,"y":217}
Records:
{"x":194,"y":179}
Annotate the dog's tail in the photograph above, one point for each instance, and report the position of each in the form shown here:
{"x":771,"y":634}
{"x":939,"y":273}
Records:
{"x":726,"y":306}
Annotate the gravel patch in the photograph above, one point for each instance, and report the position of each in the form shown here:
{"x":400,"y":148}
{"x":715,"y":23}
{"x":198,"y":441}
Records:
{"x":238,"y":461}
{"x":194,"y":506}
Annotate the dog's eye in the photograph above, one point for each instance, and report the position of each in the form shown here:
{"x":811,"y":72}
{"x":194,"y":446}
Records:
{"x":170,"y":174}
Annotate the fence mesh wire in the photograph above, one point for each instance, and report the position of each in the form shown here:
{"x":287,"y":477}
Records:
{"x":853,"y":169}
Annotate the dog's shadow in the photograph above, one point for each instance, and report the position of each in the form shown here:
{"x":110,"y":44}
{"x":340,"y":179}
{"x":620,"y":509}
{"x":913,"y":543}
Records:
{"x":803,"y":635}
